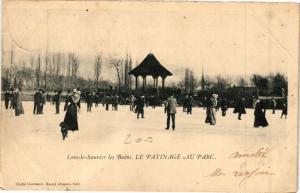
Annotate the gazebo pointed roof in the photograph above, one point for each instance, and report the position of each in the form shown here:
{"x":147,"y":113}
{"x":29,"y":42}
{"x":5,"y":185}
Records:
{"x":150,"y":66}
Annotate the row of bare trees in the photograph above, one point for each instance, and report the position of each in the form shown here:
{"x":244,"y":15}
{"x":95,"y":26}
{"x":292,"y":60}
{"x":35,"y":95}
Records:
{"x":272,"y":84}
{"x":61,"y":71}
{"x":48,"y":71}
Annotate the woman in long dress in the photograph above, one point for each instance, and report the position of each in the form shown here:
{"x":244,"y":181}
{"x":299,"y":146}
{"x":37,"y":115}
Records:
{"x":18,"y":103}
{"x":210,"y":110}
{"x":72,"y":105}
{"x":260,"y":114}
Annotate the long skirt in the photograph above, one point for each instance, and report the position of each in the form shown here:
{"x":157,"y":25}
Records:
{"x":260,"y":120}
{"x":70,"y":121}
{"x":210,"y":116}
{"x":19,"y":109}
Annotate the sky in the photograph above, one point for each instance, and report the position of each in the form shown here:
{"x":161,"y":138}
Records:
{"x":231,"y":39}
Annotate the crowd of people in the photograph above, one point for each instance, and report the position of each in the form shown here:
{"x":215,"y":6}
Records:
{"x":137,"y":103}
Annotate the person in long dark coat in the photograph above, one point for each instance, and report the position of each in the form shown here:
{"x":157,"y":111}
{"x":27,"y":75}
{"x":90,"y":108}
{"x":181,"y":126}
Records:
{"x":71,"y":121}
{"x":240,"y":108}
{"x":89,"y":101}
{"x":260,"y":114}
{"x":107,"y":101}
{"x":211,"y":110}
{"x":223,"y":105}
{"x":37,"y":100}
{"x":140,"y":104}
{"x":56,"y":101}
{"x":185,"y":101}
{"x":43,"y":102}
{"x":7,"y":96}
{"x":18,"y":103}
{"x":284,"y":110}
{"x":189,"y":104}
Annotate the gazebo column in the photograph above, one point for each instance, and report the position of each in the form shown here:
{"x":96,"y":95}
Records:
{"x":163,"y":82}
{"x":136,"y":82}
{"x":144,"y":82}
{"x":156,"y":82}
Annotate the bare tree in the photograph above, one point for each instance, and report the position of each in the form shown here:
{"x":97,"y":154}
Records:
{"x":97,"y":68}
{"x":242,"y":82}
{"x":116,"y":63}
{"x":73,"y":67}
{"x":222,"y":83}
{"x":129,"y":69}
{"x":38,"y":71}
{"x":46,"y":69}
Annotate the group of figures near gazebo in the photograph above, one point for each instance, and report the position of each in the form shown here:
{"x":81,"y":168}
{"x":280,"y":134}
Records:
{"x":137,"y":102}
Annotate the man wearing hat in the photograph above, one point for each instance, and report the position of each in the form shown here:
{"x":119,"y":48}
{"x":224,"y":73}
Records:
{"x":56,"y":101}
{"x":37,"y":101}
{"x":171,"y":111}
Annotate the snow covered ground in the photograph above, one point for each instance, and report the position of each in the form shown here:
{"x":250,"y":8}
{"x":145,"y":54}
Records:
{"x":33,"y":147}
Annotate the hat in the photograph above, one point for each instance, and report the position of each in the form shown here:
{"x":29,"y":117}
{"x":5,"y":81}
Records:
{"x":76,"y":91}
{"x":215,"y":95}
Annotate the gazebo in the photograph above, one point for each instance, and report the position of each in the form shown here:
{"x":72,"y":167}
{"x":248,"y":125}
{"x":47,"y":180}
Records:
{"x":150,"y":66}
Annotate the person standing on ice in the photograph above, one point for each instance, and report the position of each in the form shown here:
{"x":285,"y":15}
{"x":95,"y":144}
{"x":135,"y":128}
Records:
{"x":37,"y":100}
{"x":223,"y":105}
{"x":18,"y":102}
{"x":273,"y":105}
{"x":189,"y":104}
{"x":284,"y":110}
{"x":71,"y":121}
{"x":240,"y":108}
{"x":56,"y":101}
{"x":7,"y":96}
{"x":211,"y":110}
{"x":171,"y":111}
{"x":132,"y":102}
{"x":140,"y":104}
{"x":260,"y":114}
{"x":89,"y":101}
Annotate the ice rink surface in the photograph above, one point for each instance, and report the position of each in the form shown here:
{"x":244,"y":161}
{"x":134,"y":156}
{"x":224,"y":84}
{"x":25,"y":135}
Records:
{"x":32,"y":142}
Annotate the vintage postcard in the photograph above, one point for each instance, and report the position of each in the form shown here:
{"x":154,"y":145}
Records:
{"x":149,"y":96}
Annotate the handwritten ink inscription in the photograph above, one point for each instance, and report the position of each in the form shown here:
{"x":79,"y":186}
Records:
{"x":129,"y":139}
{"x":244,"y":172}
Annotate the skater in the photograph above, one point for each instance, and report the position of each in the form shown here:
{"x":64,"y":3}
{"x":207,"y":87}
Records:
{"x":189,"y":104}
{"x":132,"y":102}
{"x":71,"y":121}
{"x":184,"y":105}
{"x":18,"y":102}
{"x":107,"y":100}
{"x":273,"y":105}
{"x":260,"y":114}
{"x":210,"y":110}
{"x":223,"y":105}
{"x":284,"y":110}
{"x":89,"y":101}
{"x":171,"y":111}
{"x":240,"y":108}
{"x":43,"y":102}
{"x":115,"y":102}
{"x":140,"y":104}
{"x":7,"y":96}
{"x":37,"y":100}
{"x":56,"y":101}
